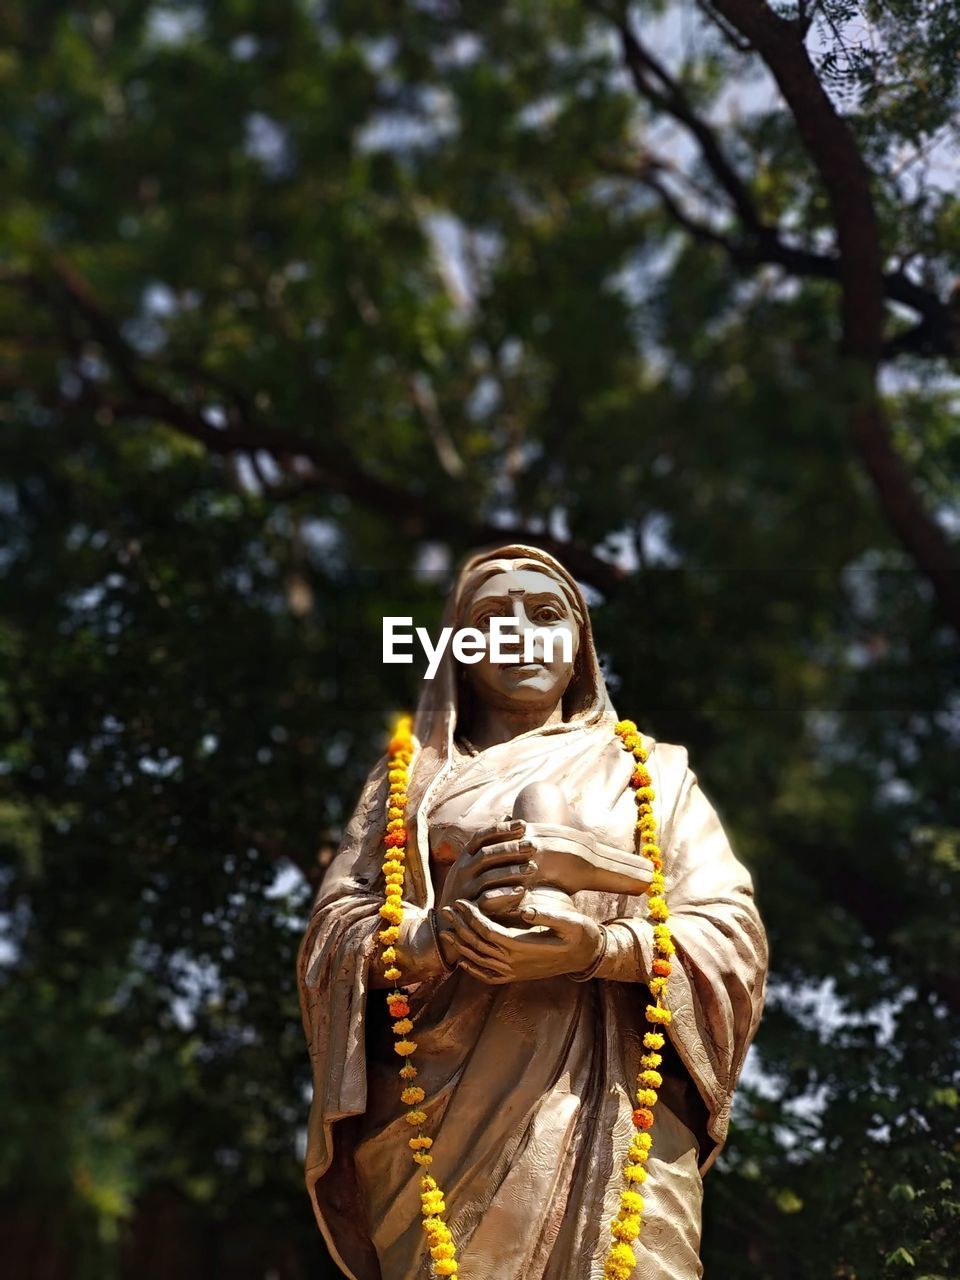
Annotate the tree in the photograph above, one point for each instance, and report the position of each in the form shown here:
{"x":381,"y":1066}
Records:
{"x":293,"y":302}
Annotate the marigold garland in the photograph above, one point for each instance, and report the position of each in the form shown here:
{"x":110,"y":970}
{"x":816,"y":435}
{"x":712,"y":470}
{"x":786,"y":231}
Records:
{"x":432,"y":1207}
{"x":626,"y":1227}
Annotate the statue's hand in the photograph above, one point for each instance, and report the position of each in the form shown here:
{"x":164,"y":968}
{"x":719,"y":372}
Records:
{"x":493,"y":858}
{"x":496,"y":953}
{"x":574,"y":860}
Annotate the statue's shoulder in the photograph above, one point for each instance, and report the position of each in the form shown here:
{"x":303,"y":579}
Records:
{"x":672,"y":763}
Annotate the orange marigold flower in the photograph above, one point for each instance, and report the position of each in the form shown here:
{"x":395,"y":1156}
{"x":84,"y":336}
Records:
{"x":662,"y":968}
{"x":405,"y":1048}
{"x":412,"y":1095}
{"x":415,"y":1117}
{"x":643,"y":1118}
{"x":640,"y":777}
{"x":408,"y":1072}
{"x":398,"y":1006}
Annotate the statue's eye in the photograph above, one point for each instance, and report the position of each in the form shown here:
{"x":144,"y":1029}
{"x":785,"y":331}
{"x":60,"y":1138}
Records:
{"x":547,"y":613}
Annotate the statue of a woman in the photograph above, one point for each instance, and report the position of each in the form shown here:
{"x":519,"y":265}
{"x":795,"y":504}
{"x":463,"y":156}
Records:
{"x":525,"y":987}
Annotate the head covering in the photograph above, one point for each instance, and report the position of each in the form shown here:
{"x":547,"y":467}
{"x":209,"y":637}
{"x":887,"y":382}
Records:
{"x":586,"y":701}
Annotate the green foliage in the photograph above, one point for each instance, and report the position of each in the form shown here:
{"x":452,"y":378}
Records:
{"x":414,"y":249}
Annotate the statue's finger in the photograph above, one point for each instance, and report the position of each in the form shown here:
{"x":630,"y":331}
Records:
{"x":468,"y":936}
{"x":512,"y":874}
{"x":490,"y":835}
{"x":559,"y":923}
{"x":482,"y":925}
{"x":485,"y":975}
{"x":504,"y":851}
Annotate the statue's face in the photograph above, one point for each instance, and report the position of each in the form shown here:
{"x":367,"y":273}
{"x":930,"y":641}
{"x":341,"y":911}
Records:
{"x":535,"y":600}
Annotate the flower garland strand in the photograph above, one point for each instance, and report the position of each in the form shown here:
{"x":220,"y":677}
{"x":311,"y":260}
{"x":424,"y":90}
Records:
{"x":626,"y":1226}
{"x":432,"y":1207}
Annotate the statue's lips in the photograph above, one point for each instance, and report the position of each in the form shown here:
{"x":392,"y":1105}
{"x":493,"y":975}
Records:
{"x":527,"y":668}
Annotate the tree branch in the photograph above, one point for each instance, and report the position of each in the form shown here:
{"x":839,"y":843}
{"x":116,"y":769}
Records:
{"x":419,"y":514}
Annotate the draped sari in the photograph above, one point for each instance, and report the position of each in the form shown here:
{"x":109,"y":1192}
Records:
{"x":529,"y":1086}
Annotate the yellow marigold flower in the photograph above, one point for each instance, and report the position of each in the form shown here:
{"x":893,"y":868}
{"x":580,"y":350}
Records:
{"x":650,"y":1061}
{"x":657,"y":882}
{"x":408,"y":1072}
{"x":394,"y":891}
{"x":645,"y":793}
{"x":405,"y":1048}
{"x":647,"y":1097}
{"x":625,"y":726}
{"x":392,"y":912}
{"x":390,"y":934}
{"x":637,"y":1161}
{"x":412,"y":1095}
{"x":634,"y":1172}
{"x":402,"y":1026}
{"x":656,"y":908}
{"x":423,"y":1158}
{"x":651,"y":1079}
{"x":623,"y":1256}
{"x":657,"y":986}
{"x":420,"y":1143}
{"x":662,"y":1017}
{"x":627,"y":1228}
{"x":427,"y":1183}
{"x":630,"y":1202}
{"x":392,"y":974}
{"x":415,"y":1117}
{"x":640,"y":753}
{"x":388,"y":953}
{"x":392,"y":867}
{"x":445,"y":1250}
{"x":445,"y":1267}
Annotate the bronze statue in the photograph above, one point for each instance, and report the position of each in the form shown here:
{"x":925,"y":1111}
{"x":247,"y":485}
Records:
{"x":524,"y":948}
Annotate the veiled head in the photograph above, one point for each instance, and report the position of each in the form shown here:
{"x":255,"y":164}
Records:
{"x":527,"y":591}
